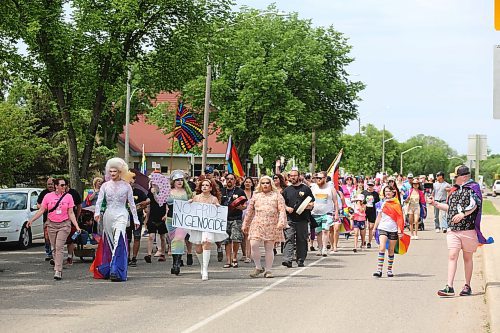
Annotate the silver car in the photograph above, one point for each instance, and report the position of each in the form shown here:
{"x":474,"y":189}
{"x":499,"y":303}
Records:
{"x":17,"y":206}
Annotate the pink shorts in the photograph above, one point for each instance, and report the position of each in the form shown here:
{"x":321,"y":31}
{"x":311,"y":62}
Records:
{"x":465,"y":240}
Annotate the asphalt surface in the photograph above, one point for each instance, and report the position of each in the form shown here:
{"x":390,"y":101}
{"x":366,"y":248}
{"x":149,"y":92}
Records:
{"x":332,"y":294}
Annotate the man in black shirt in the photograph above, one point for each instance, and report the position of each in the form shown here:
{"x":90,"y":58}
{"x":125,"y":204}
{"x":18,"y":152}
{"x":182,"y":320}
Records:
{"x":141,"y":201}
{"x":231,"y":193}
{"x":371,"y":198}
{"x":77,"y":199}
{"x":298,"y":224}
{"x":156,"y":224}
{"x":49,"y":188}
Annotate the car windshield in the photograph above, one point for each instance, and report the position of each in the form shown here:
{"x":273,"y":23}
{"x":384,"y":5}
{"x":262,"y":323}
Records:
{"x":13,"y":201}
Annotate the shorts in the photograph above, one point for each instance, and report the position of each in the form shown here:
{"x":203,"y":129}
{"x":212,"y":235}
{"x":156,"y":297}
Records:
{"x":324,"y":222}
{"x":234,"y":232}
{"x":371,"y":217}
{"x":389,"y":234}
{"x":465,"y":240}
{"x":158,"y":227}
{"x":359,"y":224}
{"x":132,"y":231}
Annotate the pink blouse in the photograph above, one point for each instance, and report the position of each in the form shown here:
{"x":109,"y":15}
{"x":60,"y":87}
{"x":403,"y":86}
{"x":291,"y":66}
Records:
{"x":60,"y":214}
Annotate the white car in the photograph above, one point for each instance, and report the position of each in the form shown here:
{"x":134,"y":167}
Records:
{"x":17,"y":206}
{"x":496,"y":187}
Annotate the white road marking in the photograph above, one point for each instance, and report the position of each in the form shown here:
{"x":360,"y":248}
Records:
{"x":246,"y":299}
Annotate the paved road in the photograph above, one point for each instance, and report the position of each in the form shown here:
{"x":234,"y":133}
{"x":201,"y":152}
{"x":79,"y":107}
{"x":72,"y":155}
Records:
{"x":333,"y":294}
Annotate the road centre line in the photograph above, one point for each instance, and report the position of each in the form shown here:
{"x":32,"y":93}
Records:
{"x":246,"y":299}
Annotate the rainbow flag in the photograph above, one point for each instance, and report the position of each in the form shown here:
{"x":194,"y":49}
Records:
{"x":233,"y":160}
{"x":143,"y":162}
{"x":334,"y":171}
{"x":187,"y":130}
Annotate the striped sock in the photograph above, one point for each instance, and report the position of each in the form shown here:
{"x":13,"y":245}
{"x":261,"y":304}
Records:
{"x":390,"y":261}
{"x":380,"y":261}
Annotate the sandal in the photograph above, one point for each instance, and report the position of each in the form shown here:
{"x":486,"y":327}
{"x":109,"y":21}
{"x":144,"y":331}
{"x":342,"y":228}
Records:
{"x":227,"y":266}
{"x":235,"y":263}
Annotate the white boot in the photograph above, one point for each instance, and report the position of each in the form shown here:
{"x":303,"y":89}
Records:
{"x":200,"y":260}
{"x":206,"y":261}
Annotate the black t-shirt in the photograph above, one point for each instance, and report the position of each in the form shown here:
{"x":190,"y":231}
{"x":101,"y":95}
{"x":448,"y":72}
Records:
{"x":294,"y":196}
{"x":156,"y":212}
{"x":39,"y":201}
{"x":77,"y":199}
{"x":228,"y":196}
{"x":139,"y":196}
{"x":371,"y":199}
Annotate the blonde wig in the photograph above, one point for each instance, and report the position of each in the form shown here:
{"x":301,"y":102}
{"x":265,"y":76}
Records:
{"x":259,"y":186}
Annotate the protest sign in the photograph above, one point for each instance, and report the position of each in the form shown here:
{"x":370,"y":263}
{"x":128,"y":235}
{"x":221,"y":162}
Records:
{"x":199,"y":216}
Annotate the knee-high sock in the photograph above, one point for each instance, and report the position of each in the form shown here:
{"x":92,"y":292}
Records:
{"x":200,"y":260}
{"x":256,"y":253}
{"x":206,"y":261}
{"x":390,"y":261}
{"x":380,"y":261}
{"x":269,"y":255}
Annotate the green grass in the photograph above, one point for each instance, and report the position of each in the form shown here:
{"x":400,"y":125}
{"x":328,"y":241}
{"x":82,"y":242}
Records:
{"x":489,"y":208}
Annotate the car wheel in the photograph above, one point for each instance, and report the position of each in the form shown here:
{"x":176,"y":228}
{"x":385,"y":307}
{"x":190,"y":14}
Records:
{"x":25,"y":238}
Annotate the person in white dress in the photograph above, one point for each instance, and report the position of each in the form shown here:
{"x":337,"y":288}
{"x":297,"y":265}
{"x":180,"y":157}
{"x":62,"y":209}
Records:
{"x":117,"y":193}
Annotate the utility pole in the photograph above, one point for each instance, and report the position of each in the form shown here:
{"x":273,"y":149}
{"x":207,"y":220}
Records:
{"x":127,"y":118}
{"x":206,"y":113}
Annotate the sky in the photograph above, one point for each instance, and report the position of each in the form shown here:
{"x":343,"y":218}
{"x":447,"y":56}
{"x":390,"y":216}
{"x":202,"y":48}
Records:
{"x":427,"y":64}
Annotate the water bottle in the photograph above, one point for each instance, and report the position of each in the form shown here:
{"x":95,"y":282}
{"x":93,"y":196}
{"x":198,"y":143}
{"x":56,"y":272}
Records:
{"x":75,"y":235}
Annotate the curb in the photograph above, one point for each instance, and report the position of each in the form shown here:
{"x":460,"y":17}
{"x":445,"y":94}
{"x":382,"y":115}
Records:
{"x":491,"y":268}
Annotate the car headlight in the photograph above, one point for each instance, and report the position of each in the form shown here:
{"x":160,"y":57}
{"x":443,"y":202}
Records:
{"x":4,"y":224}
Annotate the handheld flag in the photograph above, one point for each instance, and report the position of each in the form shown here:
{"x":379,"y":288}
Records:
{"x":143,"y":162}
{"x":187,"y":130}
{"x":233,"y":160}
{"x":334,"y":171}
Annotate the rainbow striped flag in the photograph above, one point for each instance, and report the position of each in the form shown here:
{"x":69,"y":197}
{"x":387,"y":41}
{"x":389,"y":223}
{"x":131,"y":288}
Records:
{"x":187,"y":130}
{"x":233,"y":160}
{"x":334,"y":171}
{"x":143,"y":162}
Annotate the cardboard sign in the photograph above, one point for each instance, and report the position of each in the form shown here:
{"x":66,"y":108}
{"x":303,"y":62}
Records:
{"x":199,"y":216}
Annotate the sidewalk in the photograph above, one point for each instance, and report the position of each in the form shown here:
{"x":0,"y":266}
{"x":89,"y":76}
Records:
{"x":490,"y":226}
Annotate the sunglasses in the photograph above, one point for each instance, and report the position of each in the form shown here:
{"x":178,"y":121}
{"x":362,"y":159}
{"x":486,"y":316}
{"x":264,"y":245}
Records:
{"x":319,"y":177}
{"x":61,"y":184}
{"x":276,"y":178}
{"x":266,"y":183}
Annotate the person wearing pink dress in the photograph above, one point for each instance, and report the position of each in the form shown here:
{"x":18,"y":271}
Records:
{"x":265,"y":220}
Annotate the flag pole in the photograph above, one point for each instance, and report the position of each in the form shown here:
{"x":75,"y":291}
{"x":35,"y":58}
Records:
{"x":173,"y":139}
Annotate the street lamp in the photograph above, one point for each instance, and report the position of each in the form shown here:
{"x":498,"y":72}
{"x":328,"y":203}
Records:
{"x":127,"y":116}
{"x":206,"y":110}
{"x":408,"y":150}
{"x":458,"y":158}
{"x":383,"y":148}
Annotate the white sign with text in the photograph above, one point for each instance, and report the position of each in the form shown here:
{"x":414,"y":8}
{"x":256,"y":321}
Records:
{"x":199,"y":216}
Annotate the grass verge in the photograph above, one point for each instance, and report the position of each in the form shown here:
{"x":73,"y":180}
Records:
{"x":489,"y":208}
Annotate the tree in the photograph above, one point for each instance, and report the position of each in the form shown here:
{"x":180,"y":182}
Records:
{"x":81,"y":55}
{"x":21,"y":144}
{"x":275,"y":79}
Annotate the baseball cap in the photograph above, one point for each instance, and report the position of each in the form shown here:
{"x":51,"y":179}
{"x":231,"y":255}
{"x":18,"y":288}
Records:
{"x":462,"y":170}
{"x":370,"y":182}
{"x":410,"y":175}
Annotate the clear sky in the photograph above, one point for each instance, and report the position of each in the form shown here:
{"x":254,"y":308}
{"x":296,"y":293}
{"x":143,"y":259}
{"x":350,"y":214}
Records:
{"x":427,"y":64}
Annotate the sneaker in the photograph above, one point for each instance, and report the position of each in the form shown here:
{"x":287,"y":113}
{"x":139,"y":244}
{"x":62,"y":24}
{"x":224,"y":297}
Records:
{"x":268,"y":275}
{"x":466,"y":291}
{"x":377,"y":274}
{"x":328,"y":247}
{"x":257,"y":272}
{"x":312,"y":248}
{"x":287,"y":264}
{"x":57,"y":275}
{"x":446,"y":292}
{"x":147,"y":259}
{"x":319,"y":253}
{"x":145,"y":233}
{"x":416,"y":237}
{"x":204,"y":277}
{"x":133,"y":262}
{"x":445,"y":230}
{"x":325,"y":253}
{"x":48,"y":258}
{"x":390,"y":274}
{"x":438,"y":230}
{"x":300,"y":264}
{"x":368,"y":245}
{"x":354,"y":250}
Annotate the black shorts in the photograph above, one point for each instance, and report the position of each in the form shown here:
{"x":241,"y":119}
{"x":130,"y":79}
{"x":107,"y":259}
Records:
{"x":157,"y":227}
{"x":131,"y":231}
{"x":371,"y":217}
{"x":390,"y":235}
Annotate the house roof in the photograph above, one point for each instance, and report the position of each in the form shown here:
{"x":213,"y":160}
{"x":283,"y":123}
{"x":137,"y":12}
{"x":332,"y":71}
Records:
{"x":154,"y":140}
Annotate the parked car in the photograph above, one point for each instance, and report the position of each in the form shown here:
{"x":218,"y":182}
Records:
{"x":17,"y":206}
{"x":496,"y":187}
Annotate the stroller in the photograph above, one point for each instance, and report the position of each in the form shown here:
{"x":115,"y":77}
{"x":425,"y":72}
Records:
{"x":86,"y":245}
{"x":421,"y":219}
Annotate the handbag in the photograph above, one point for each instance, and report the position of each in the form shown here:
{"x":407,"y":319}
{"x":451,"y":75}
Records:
{"x":57,"y":204}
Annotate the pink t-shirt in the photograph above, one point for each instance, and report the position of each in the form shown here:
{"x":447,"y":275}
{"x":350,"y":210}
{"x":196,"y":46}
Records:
{"x":60,"y":214}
